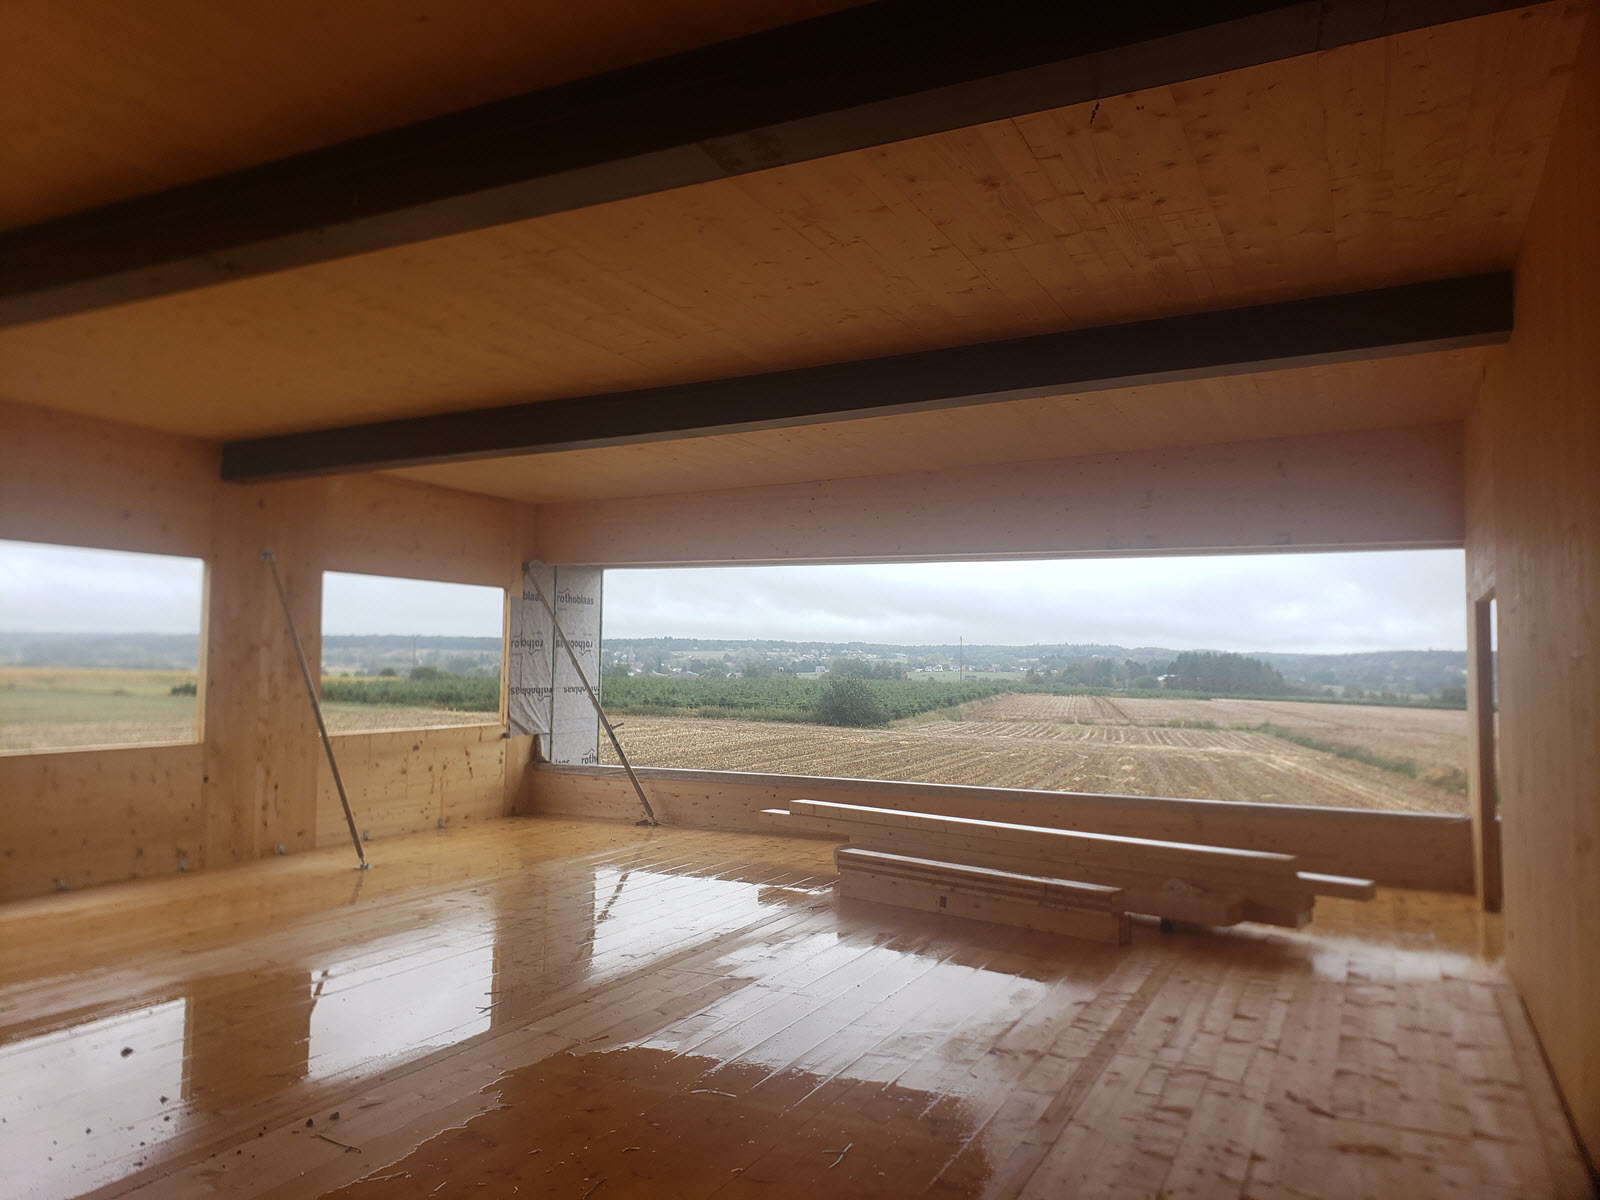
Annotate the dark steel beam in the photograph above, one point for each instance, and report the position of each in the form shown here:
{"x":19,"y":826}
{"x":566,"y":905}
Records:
{"x":1440,"y":315}
{"x":880,"y":73}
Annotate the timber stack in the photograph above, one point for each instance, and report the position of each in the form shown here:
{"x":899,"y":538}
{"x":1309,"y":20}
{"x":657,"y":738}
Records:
{"x":1060,"y":880}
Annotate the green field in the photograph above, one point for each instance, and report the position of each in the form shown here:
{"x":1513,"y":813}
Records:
{"x":794,"y":698}
{"x":782,"y":699}
{"x":47,"y":707}
{"x":461,"y":693}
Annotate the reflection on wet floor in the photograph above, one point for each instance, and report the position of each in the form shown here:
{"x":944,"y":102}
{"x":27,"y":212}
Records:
{"x":88,"y":1100}
{"x":637,"y":912}
{"x":389,"y":1002}
{"x":81,"y":1101}
{"x":646,"y":1122}
{"x":396,"y":981}
{"x":555,"y":1007}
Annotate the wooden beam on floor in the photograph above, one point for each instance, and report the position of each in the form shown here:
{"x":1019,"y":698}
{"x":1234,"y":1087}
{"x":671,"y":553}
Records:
{"x":1416,"y":318}
{"x":1081,"y":910}
{"x":1209,"y":885}
{"x":866,"y":76}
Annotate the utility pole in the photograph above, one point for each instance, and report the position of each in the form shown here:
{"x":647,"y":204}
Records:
{"x":961,"y":660}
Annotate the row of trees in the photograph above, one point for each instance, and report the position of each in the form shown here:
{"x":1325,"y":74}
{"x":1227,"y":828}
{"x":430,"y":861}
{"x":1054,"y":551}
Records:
{"x":1224,"y":674}
{"x":1192,"y":671}
{"x":844,"y":699}
{"x":857,"y":692}
{"x":758,"y":668}
{"x":860,"y":668}
{"x":1095,"y":672}
{"x":423,"y":687}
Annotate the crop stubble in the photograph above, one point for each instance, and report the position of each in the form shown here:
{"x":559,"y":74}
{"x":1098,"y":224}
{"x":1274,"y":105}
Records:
{"x":1123,"y":746}
{"x":1139,"y":746}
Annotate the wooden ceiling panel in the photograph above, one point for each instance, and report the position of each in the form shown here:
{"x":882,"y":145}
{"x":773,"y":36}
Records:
{"x":1386,"y":162}
{"x":101,"y":99}
{"x":1423,"y":389}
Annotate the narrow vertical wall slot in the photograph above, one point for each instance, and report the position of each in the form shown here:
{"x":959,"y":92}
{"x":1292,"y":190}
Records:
{"x":1484,"y":702}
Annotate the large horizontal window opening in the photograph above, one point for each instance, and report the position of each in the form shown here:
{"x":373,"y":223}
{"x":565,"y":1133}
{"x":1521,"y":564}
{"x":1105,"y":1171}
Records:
{"x":97,"y":647}
{"x":1333,"y":680}
{"x":409,"y":653}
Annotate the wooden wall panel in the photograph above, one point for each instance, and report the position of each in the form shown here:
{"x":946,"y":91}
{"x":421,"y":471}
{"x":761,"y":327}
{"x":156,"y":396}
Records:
{"x":1417,"y":850}
{"x":1535,"y":533}
{"x":257,"y":725}
{"x":402,"y":781}
{"x":1390,"y":488}
{"x":82,"y":482}
{"x":390,"y":527}
{"x":87,"y":817}
{"x":252,"y":783}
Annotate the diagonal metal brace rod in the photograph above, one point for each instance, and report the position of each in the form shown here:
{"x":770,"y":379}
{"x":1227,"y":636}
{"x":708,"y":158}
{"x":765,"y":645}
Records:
{"x":271,"y":559}
{"x":593,"y":699}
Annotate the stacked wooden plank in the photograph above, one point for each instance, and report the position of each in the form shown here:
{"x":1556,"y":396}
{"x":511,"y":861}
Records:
{"x":1083,"y":910}
{"x":1210,"y":885}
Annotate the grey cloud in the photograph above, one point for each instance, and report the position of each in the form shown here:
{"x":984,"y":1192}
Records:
{"x":62,"y":589}
{"x":1319,"y":603}
{"x":377,"y":605}
{"x":1310,"y":602}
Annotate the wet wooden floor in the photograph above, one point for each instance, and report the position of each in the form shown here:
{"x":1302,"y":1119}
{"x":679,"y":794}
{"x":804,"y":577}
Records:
{"x":583,"y":1009}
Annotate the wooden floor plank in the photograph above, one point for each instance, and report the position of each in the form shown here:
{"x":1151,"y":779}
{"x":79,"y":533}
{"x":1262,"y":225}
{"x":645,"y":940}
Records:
{"x":571,"y":1008}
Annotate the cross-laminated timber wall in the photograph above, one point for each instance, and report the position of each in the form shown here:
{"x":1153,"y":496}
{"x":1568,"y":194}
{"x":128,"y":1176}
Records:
{"x":1533,"y":541}
{"x":1373,"y":489}
{"x":257,"y":778}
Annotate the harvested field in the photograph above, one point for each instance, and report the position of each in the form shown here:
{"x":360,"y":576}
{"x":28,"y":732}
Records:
{"x":25,"y":736}
{"x":49,"y":708}
{"x":1433,"y":738}
{"x":59,"y":708}
{"x":344,"y":718}
{"x":1081,"y":710}
{"x":1085,"y":744}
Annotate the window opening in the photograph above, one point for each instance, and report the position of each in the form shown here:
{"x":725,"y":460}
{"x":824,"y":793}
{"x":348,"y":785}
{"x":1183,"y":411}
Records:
{"x":409,"y":653}
{"x":1334,"y":680}
{"x":97,"y":647}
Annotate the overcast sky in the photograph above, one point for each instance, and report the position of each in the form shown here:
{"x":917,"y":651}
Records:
{"x":60,"y":589}
{"x":372,"y":604}
{"x":1325,"y":603}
